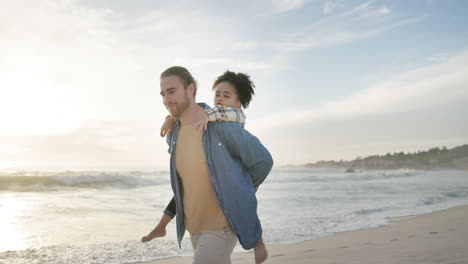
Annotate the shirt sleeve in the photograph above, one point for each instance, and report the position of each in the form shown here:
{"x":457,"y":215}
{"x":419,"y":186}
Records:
{"x":249,"y":150}
{"x":171,"y":208}
{"x":221,"y":113}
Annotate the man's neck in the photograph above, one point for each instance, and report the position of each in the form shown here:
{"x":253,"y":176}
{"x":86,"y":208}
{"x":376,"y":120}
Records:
{"x":191,"y":114}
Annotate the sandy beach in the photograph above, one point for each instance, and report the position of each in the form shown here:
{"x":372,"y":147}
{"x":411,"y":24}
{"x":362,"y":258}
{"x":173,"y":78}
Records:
{"x":439,"y":237}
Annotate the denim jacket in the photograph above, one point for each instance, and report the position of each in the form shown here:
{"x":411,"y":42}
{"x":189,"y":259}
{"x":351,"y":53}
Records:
{"x":237,"y":163}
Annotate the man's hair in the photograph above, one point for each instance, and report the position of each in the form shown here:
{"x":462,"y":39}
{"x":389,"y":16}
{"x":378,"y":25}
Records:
{"x":241,"y":81}
{"x":184,"y":75}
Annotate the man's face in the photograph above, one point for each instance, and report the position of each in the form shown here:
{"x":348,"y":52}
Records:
{"x":175,"y":96}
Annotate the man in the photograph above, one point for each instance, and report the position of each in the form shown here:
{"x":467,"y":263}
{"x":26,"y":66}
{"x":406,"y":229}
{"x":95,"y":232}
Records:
{"x":214,"y":175}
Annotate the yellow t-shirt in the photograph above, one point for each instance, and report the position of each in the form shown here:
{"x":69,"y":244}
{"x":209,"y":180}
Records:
{"x":201,"y":207}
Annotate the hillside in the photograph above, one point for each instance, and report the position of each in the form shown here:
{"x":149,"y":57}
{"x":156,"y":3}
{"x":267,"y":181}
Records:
{"x":432,"y":159}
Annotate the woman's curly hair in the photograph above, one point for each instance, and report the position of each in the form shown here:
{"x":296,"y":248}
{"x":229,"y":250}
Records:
{"x":241,"y":81}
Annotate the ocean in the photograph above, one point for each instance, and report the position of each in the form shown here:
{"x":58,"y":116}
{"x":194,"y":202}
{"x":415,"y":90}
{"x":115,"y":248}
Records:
{"x":100,"y":216}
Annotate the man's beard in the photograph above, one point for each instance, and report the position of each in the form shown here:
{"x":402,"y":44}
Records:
{"x":180,"y":107}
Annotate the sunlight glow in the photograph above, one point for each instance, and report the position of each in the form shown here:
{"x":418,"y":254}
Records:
{"x":5,"y":165}
{"x":32,"y":105}
{"x":12,"y":234}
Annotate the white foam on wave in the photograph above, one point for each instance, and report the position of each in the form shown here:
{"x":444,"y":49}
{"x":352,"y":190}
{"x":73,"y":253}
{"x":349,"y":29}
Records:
{"x":32,"y":181}
{"x":109,"y":253}
{"x":338,"y":175}
{"x":106,"y":178}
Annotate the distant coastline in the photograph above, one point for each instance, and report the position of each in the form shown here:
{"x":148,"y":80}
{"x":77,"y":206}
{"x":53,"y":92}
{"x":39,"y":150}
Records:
{"x":432,"y":159}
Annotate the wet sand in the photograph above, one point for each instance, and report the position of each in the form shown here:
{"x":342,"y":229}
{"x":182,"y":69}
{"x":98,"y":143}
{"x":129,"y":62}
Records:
{"x":439,"y":237}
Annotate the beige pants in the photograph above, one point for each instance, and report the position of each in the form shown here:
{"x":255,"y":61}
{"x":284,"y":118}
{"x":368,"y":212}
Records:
{"x":213,"y":247}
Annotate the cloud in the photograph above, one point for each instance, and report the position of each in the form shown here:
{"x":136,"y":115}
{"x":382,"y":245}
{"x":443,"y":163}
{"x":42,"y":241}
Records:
{"x":414,"y":110}
{"x":59,"y":66}
{"x":282,"y":6}
{"x":359,"y":9}
{"x":329,"y":33}
{"x":64,"y":63}
{"x":438,"y":58}
{"x":367,"y":9}
{"x":422,"y":88}
{"x":357,"y":23}
{"x":276,"y":53}
{"x":382,"y":11}
{"x":330,"y":6}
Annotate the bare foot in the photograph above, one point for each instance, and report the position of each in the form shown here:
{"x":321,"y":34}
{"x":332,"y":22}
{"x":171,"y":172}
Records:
{"x":260,"y":251}
{"x":157,"y":232}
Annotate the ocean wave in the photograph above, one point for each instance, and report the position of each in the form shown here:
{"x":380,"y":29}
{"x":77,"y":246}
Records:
{"x":116,"y":252}
{"x":46,"y":182}
{"x":456,"y":194}
{"x":339,"y":176}
{"x":369,"y":211}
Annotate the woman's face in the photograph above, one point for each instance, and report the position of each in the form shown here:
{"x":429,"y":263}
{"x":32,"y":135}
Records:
{"x":226,"y":95}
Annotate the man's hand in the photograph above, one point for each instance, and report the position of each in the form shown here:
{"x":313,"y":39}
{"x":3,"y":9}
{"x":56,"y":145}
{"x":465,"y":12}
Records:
{"x":167,"y":126}
{"x":202,"y":121}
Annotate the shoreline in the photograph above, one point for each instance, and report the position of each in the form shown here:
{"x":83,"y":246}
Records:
{"x":359,"y":169}
{"x":435,"y":237}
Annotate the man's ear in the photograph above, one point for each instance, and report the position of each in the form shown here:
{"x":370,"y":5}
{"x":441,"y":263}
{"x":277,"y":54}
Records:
{"x":191,"y":89}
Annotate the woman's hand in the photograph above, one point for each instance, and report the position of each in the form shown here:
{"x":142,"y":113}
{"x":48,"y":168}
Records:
{"x":167,"y":126}
{"x":202,"y":121}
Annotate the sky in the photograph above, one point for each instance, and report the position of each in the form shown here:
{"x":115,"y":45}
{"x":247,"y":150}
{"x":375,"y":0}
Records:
{"x":335,"y":79}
